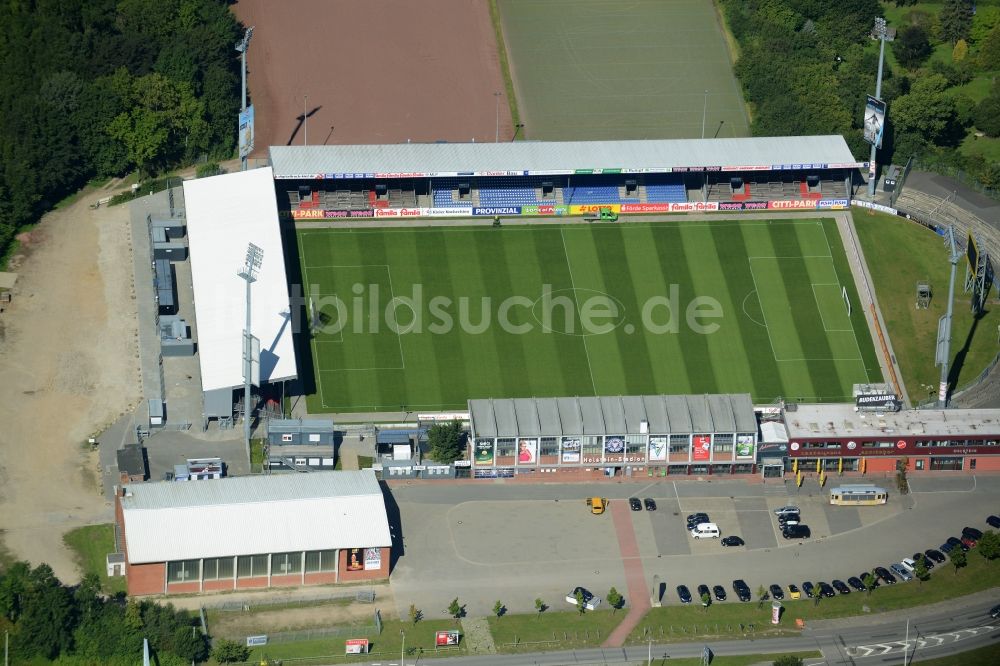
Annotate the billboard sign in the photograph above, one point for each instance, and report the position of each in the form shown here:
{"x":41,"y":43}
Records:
{"x":879,"y":402}
{"x":745,"y":447}
{"x":446,"y":638}
{"x":354,"y":561}
{"x":570,"y":450}
{"x":614,"y":445}
{"x":356,"y":646}
{"x":657,"y":448}
{"x":702,"y":447}
{"x":257,"y":641}
{"x":874,"y":121}
{"x":484,"y":452}
{"x":527,"y":451}
{"x":246,"y":131}
{"x":373,"y":559}
{"x":972,"y":253}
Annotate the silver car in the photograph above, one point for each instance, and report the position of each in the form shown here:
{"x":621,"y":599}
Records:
{"x":901,"y":571}
{"x":782,"y":510}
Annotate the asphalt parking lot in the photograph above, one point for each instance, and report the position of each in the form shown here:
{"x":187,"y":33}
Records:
{"x":516,"y":542}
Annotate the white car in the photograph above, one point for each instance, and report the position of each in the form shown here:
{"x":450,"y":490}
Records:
{"x":782,"y":510}
{"x":590,"y":602}
{"x":910,"y":565}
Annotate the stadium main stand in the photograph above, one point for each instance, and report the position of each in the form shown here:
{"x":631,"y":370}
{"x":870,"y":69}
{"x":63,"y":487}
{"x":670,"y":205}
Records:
{"x":597,"y":190}
{"x":665,"y":189}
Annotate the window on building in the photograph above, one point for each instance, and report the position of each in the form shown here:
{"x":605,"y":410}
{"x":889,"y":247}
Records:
{"x":722,"y":448}
{"x":723,"y":438}
{"x":321,"y":560}
{"x":182,"y":571}
{"x":251,"y":566}
{"x":286,"y":563}
{"x":680,"y":443}
{"x":593,"y":449}
{"x":549,"y":446}
{"x":952,"y":464}
{"x":635,"y":444}
{"x":505,"y":447}
{"x":217,"y":568}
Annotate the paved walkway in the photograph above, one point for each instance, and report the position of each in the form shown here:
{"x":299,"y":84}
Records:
{"x":635,"y":576}
{"x":477,"y":638}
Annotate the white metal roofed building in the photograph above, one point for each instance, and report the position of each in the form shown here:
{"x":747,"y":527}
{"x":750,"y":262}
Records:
{"x":224,"y":214}
{"x":650,"y":434}
{"x":523,"y":158}
{"x":251,"y":532}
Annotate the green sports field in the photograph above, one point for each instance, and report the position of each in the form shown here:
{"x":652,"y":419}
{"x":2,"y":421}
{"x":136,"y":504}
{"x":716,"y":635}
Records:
{"x":621,"y":69}
{"x":501,"y":313}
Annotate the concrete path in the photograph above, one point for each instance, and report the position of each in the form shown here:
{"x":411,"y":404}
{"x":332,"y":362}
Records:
{"x":637,"y":594}
{"x":477,"y":636}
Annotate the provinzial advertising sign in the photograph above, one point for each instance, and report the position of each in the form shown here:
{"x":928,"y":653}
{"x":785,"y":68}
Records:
{"x":701,"y":447}
{"x":497,"y":210}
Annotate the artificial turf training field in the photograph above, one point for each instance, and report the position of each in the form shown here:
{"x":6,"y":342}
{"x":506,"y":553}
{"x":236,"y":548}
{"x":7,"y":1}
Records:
{"x":783,"y":330}
{"x":608,"y":70}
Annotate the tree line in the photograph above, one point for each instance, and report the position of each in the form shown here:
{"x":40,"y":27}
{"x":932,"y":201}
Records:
{"x":98,"y":88}
{"x":806,"y":67}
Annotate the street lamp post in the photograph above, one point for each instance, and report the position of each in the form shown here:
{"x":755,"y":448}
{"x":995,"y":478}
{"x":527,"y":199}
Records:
{"x":402,"y":650}
{"x":242,"y":47}
{"x":497,"y":96}
{"x":517,"y":128}
{"x":880,"y":33}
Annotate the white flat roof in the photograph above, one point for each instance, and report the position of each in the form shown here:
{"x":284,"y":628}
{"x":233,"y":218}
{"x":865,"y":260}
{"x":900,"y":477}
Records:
{"x":250,"y":515}
{"x":224,"y":214}
{"x":816,"y":421}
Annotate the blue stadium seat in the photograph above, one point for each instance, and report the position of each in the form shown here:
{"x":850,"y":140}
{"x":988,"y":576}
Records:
{"x":665,"y":189}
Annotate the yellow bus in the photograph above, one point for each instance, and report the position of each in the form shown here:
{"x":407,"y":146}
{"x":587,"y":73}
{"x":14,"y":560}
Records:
{"x":858,"y":494}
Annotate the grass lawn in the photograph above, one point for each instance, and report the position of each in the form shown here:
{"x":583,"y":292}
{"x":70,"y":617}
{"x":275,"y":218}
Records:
{"x":91,"y":544}
{"x":683,"y":623}
{"x":553,"y":630}
{"x":899,"y":254}
{"x":601,"y":71}
{"x":500,"y":312}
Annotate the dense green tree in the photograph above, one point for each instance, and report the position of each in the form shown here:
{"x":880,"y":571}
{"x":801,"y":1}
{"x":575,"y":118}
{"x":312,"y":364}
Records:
{"x":912,"y":46}
{"x":956,"y":20}
{"x":988,"y":55}
{"x":447,"y":441}
{"x":45,"y":628}
{"x":987,"y":115}
{"x":229,"y":652}
{"x":983,"y":23}
{"x":989,"y":545}
{"x":958,"y":559}
{"x":926,"y":115}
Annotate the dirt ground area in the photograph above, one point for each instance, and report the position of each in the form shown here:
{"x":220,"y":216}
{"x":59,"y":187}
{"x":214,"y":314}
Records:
{"x":237,"y":624}
{"x":373,"y":72}
{"x":69,"y":367}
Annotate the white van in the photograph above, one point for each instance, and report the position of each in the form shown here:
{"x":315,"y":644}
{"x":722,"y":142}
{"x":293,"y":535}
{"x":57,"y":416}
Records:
{"x":705,"y":531}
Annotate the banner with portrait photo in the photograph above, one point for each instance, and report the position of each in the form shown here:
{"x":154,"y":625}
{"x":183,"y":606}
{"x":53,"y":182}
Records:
{"x":354,"y":559}
{"x":484,"y":452}
{"x":874,"y":125}
{"x":527,"y":449}
{"x":657,"y":449}
{"x":745,"y":447}
{"x":570,"y":450}
{"x":702,"y":447}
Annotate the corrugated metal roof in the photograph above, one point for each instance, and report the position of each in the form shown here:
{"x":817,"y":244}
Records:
{"x":548,"y":416}
{"x":614,"y":415}
{"x":300,"y":425}
{"x":569,"y":415}
{"x":555,"y":156}
{"x":679,"y":415}
{"x":250,"y":515}
{"x":746,"y":420}
{"x":484,"y":423}
{"x":701,"y":418}
{"x":656,"y":413}
{"x":721,"y":410}
{"x":527,"y":417}
{"x":503,"y":411}
{"x":634,"y":413}
{"x":593,"y":419}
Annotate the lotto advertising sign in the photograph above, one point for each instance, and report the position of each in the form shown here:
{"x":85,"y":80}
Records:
{"x":594,"y":208}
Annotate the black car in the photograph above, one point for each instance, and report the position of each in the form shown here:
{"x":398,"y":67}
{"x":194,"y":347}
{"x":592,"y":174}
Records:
{"x":884,"y":575}
{"x":684,"y":594}
{"x":995,"y":612}
{"x":873,"y":577}
{"x":731,"y":541}
{"x":856,"y":583}
{"x":696,"y":519}
{"x":927,"y":561}
{"x":934,"y":555}
{"x":957,"y":543}
{"x":650,"y":504}
{"x":972,"y":533}
{"x":741,"y":589}
{"x":786,"y":518}
{"x":795,"y":532}
{"x":841,"y":587}
{"x":993,"y":521}
{"x":946,"y":547}
{"x":809,"y":589}
{"x":703,"y":592}
{"x":635,"y":504}
{"x":719,"y":592}
{"x":825,"y":590}
{"x":776,"y":592}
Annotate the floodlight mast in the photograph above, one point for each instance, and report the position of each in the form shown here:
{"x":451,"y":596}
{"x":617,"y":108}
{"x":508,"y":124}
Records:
{"x":944,"y":324}
{"x":249,"y":272}
{"x":880,"y":33}
{"x":242,"y":47}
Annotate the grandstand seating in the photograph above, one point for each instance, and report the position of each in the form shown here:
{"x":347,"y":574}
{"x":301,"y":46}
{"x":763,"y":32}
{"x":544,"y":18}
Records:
{"x":503,"y":191}
{"x":665,"y":189}
{"x":596,"y":190}
{"x":445,"y":194}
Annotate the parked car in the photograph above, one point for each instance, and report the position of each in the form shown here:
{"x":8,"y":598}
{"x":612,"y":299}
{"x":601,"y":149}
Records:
{"x":841,"y":587}
{"x":786,"y":509}
{"x":696,"y":519}
{"x":884,"y":575}
{"x":910,"y":564}
{"x":590,"y":602}
{"x":825,"y":590}
{"x":788,"y":519}
{"x":934,"y":555}
{"x":808,"y":588}
{"x":634,"y":504}
{"x":995,"y":612}
{"x":793,"y":592}
{"x":969,"y":542}
{"x":957,"y":543}
{"x":795,"y":532}
{"x":684,"y":594}
{"x":927,"y":561}
{"x":856,"y":583}
{"x":719,"y":592}
{"x":901,"y":571}
{"x":732,"y":541}
{"x":993,"y":521}
{"x":741,"y":589}
{"x":776,"y":592}
{"x":946,"y":547}
{"x":650,"y":504}
{"x":862,"y":575}
{"x":972,"y":533}
{"x":702,"y":592}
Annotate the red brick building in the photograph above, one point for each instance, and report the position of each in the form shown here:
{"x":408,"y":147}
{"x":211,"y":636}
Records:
{"x":253,"y":532}
{"x":835,"y":435}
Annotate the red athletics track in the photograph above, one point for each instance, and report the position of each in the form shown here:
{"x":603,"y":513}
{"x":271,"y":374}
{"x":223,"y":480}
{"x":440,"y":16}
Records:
{"x":638,"y":594}
{"x":376,"y":71}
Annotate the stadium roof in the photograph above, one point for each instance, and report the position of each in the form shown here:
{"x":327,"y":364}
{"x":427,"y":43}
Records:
{"x":224,"y":214}
{"x":412,"y":160}
{"x":251,"y":515}
{"x":613,"y":415}
{"x":842,"y":420}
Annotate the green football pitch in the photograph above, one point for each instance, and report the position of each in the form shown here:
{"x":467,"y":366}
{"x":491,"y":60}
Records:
{"x":426,"y":318}
{"x":608,"y":69}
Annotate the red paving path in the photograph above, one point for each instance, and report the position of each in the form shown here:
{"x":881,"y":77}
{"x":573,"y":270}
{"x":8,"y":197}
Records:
{"x":637,"y":595}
